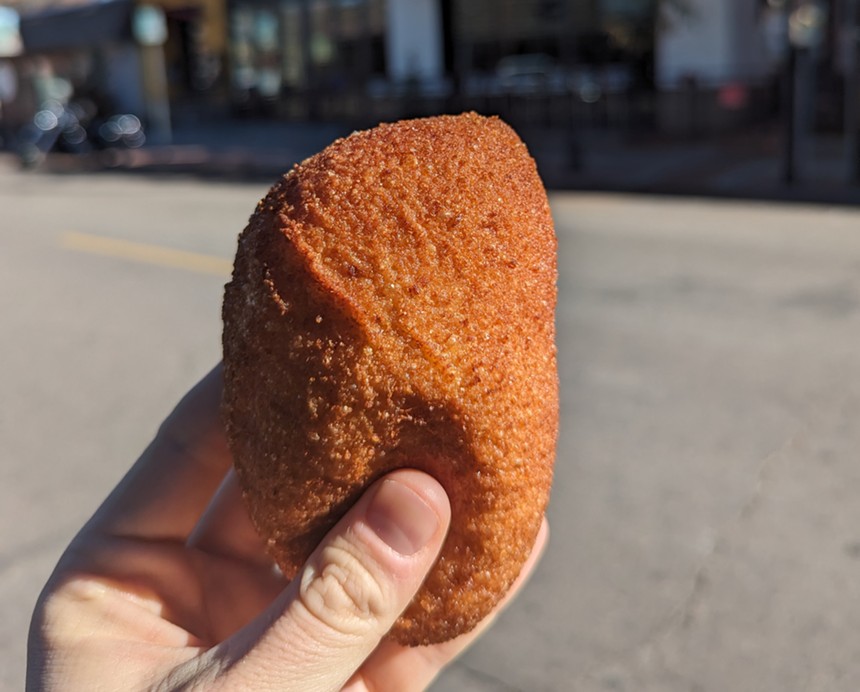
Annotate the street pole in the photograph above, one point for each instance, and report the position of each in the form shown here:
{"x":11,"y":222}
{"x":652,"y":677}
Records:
{"x":789,"y":115}
{"x":807,"y":21}
{"x":850,"y":113}
{"x":311,"y":90}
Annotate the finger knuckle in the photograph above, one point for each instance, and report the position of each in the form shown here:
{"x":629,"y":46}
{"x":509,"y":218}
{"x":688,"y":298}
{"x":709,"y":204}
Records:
{"x":342,"y":593}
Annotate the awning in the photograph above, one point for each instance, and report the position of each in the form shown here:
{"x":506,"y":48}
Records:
{"x":80,"y":26}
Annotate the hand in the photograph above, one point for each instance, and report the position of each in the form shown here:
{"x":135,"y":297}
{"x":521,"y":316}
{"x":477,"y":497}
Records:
{"x":168,"y":585}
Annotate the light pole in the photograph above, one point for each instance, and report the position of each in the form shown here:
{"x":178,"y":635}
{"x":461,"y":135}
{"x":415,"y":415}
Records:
{"x":851,"y":105}
{"x":806,"y":23}
{"x":789,"y":114}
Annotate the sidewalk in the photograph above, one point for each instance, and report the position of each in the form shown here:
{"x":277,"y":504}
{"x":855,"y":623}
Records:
{"x":234,"y":149}
{"x":746,"y":165}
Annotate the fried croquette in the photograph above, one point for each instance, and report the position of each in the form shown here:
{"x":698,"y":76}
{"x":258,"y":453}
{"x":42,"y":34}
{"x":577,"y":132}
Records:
{"x":392,"y":305}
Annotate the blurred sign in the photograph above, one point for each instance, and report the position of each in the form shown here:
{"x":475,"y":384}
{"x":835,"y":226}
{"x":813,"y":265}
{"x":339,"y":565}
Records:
{"x":149,"y":25}
{"x":733,"y":97}
{"x":10,"y":33}
{"x":806,"y":25}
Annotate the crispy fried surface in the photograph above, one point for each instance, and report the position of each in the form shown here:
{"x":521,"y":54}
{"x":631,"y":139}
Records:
{"x":392,"y":304}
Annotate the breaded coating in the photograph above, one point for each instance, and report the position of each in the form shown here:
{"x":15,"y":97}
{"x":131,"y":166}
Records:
{"x":392,"y":305}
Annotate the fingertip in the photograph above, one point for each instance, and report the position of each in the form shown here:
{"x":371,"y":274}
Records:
{"x":427,"y":488}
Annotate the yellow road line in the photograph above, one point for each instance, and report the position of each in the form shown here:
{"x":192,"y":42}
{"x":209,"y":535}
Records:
{"x":146,"y":254}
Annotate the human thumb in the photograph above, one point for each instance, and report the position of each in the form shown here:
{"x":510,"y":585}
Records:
{"x":348,"y":594}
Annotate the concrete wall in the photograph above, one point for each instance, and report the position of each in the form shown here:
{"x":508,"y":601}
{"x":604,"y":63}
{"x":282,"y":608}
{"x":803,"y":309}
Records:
{"x":414,"y":40}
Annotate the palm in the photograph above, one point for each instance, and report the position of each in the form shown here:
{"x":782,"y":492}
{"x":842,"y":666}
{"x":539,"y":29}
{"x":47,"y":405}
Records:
{"x":170,"y":580}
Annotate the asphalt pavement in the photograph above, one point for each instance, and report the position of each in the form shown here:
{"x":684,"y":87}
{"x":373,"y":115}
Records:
{"x":705,"y":528}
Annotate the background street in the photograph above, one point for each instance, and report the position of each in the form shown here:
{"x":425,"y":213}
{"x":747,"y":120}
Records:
{"x":705,"y":517}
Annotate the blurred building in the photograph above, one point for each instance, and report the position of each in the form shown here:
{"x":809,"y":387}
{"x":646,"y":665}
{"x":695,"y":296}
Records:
{"x":89,"y":48}
{"x":336,"y":58}
{"x":679,"y":66}
{"x":676,"y":65}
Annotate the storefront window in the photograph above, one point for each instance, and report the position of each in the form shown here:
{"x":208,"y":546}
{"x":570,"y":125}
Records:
{"x":241,"y":50}
{"x":323,"y":34}
{"x":293,"y":65}
{"x":487,"y":31}
{"x":268,"y":61}
{"x":294,"y":45}
{"x":255,"y":51}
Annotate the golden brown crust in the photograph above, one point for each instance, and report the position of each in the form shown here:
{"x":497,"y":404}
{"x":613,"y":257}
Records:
{"x":392,"y":305}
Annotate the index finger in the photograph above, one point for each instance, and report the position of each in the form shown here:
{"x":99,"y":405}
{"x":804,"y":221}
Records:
{"x":165,"y":492}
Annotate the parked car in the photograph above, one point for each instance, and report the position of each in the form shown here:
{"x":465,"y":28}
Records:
{"x":539,"y":74}
{"x":530,"y":73}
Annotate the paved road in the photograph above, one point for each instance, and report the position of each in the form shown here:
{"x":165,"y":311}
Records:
{"x":705,"y":518}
